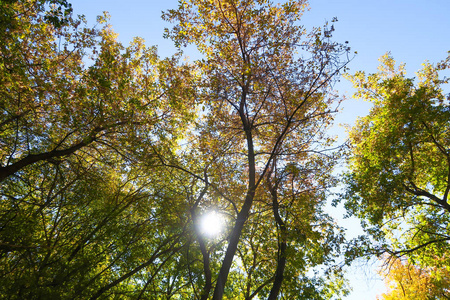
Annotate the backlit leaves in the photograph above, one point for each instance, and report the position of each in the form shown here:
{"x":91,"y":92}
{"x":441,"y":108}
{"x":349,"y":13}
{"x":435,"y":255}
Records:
{"x":110,"y":154}
{"x":406,"y":281}
{"x":398,"y":182}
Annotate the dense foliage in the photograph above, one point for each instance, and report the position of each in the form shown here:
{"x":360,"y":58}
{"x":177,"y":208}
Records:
{"x":79,"y":192}
{"x":110,"y":155}
{"x":406,"y":281}
{"x":265,"y":91}
{"x":399,"y":168}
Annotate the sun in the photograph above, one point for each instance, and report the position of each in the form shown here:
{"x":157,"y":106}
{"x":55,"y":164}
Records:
{"x":211,"y":224}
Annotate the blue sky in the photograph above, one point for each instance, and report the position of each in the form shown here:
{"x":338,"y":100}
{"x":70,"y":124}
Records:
{"x":412,"y":30}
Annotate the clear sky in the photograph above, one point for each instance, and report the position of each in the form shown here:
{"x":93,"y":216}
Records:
{"x":412,"y":30}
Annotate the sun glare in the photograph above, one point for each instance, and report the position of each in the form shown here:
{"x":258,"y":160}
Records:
{"x":211,"y":224}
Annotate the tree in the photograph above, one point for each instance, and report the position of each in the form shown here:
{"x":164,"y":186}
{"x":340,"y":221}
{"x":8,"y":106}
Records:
{"x":399,"y":164}
{"x":265,"y":105}
{"x":110,"y":156}
{"x":54,"y":103}
{"x":78,"y":111}
{"x":406,"y":281}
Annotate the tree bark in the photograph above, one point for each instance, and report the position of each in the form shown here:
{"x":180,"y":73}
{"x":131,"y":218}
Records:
{"x":281,"y":260}
{"x":243,"y":213}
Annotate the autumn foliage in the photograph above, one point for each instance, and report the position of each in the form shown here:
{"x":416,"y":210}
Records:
{"x":407,"y":281}
{"x":111,"y":155}
{"x":399,"y":170}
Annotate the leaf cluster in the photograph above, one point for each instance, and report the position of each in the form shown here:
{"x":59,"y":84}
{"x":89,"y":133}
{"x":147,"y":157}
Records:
{"x":398,"y":178}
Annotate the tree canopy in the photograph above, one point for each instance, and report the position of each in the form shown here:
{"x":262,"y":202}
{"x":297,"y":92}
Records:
{"x":78,"y":111}
{"x":399,"y":164}
{"x":110,"y":156}
{"x":406,"y":281}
